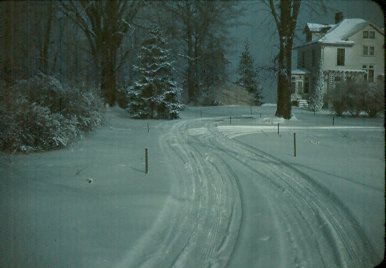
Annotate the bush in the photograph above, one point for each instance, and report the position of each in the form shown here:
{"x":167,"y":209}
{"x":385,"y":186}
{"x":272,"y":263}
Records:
{"x":356,"y":97}
{"x":41,"y":114}
{"x":374,"y":99}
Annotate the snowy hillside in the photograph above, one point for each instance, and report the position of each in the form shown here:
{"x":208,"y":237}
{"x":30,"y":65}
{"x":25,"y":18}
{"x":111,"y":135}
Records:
{"x":224,"y":189}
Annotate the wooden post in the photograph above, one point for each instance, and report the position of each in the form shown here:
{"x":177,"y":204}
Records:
{"x":230,"y":120}
{"x":278,"y":128}
{"x":294,"y":144}
{"x":314,"y":111}
{"x":146,"y":161}
{"x":333,"y":120}
{"x":148,"y":128}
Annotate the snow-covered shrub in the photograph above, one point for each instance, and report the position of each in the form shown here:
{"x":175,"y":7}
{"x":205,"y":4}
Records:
{"x":337,"y":98}
{"x":355,"y":97}
{"x":41,"y":114}
{"x":374,"y":99}
{"x":85,"y":106}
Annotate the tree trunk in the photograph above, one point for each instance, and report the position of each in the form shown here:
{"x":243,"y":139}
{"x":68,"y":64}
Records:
{"x":191,"y":60}
{"x":9,"y":43}
{"x":284,"y":82}
{"x":46,"y":38}
{"x":108,"y":77}
{"x":286,"y":23}
{"x":190,"y":68}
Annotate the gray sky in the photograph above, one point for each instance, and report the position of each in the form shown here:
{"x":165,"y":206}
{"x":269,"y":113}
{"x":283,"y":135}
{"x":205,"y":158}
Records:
{"x":258,"y":28}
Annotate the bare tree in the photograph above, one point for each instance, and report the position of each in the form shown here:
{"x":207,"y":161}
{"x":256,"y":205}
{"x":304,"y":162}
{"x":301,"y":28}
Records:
{"x":105,"y":24}
{"x":201,"y":25}
{"x":285,"y":14}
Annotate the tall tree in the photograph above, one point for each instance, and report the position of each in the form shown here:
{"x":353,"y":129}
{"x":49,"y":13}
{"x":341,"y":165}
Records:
{"x":247,"y":74}
{"x":285,"y":14}
{"x":155,"y":94}
{"x":104,"y":23}
{"x":202,"y":26}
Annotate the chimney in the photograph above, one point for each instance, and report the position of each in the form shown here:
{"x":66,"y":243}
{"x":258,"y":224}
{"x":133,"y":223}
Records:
{"x":338,"y":17}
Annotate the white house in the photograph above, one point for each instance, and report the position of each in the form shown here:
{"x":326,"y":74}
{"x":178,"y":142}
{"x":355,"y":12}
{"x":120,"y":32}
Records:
{"x":348,"y":49}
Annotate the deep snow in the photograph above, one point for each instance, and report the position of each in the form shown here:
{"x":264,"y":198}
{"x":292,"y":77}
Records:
{"x":224,"y":190}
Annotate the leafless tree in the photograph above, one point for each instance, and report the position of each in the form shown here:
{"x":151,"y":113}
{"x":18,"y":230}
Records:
{"x":105,"y":24}
{"x":285,"y":14}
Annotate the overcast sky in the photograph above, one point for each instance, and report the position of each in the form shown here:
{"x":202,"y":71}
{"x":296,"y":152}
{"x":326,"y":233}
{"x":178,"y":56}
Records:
{"x":257,"y":26}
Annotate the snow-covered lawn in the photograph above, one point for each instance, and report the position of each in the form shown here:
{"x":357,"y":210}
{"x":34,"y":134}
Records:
{"x":224,"y":190}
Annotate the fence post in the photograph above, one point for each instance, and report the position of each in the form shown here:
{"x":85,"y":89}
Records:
{"x":146,"y":161}
{"x":294,"y":144}
{"x":148,"y":128}
{"x":230,"y":120}
{"x":333,"y":120}
{"x":278,"y":128}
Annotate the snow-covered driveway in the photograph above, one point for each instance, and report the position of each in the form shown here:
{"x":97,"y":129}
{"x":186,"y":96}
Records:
{"x":235,"y":206}
{"x":217,"y":195}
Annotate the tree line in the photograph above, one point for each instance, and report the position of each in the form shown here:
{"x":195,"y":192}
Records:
{"x":96,"y":43}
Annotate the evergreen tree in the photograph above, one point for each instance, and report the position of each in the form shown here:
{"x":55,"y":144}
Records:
{"x":247,"y":75}
{"x":155,"y":94}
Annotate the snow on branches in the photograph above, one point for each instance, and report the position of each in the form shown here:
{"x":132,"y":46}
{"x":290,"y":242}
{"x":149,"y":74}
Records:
{"x":155,"y":94}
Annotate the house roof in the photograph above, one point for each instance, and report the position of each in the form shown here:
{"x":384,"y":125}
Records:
{"x":342,"y":31}
{"x":317,"y":27}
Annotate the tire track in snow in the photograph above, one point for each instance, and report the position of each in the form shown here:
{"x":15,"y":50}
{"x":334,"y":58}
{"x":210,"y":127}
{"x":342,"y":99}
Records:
{"x":332,"y":228}
{"x":200,"y":222}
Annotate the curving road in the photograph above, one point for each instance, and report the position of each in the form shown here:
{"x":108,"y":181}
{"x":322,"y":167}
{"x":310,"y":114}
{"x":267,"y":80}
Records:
{"x":235,"y":206}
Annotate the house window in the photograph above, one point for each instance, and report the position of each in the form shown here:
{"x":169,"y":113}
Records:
{"x":371,"y":51}
{"x":368,"y":34}
{"x":340,"y":57}
{"x":369,"y":76}
{"x":313,"y":57}
{"x":303,"y":59}
{"x":365,"y":50}
{"x":306,"y":84}
{"x":368,"y":51}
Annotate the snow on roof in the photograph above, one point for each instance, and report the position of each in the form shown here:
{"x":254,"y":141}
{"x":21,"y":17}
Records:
{"x":317,"y":27}
{"x":340,"y":32}
{"x":300,"y":71}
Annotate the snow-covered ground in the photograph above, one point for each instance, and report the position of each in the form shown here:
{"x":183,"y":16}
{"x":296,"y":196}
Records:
{"x":223,"y":190}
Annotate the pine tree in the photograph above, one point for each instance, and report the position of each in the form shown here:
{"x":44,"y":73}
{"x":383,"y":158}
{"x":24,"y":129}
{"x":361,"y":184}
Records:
{"x":155,"y":94}
{"x":247,"y":75}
